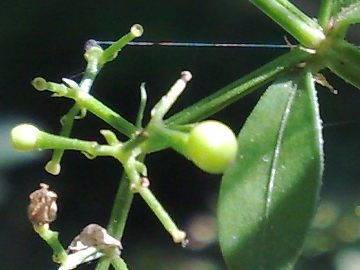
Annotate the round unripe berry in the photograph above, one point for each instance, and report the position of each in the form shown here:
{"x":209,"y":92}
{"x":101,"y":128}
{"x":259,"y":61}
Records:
{"x":212,"y":146}
{"x":24,"y":137}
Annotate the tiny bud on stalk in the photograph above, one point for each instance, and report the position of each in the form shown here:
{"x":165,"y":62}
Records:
{"x":179,"y":236}
{"x":186,"y":76}
{"x":53,"y":167}
{"x":39,"y":83}
{"x":137,"y":30}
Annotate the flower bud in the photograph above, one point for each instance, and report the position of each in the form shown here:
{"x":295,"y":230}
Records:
{"x":39,"y":83}
{"x":53,"y":167}
{"x":136,"y":30}
{"x":42,"y":208}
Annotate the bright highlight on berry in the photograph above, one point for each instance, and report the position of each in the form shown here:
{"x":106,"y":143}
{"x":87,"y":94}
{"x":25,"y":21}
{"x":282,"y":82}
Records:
{"x":24,"y":137}
{"x":212,"y":146}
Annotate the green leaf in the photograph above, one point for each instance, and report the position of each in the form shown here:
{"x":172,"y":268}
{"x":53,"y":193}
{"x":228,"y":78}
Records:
{"x":338,"y":15}
{"x":343,"y":59}
{"x":338,"y":5}
{"x":344,"y":13}
{"x":268,"y":197}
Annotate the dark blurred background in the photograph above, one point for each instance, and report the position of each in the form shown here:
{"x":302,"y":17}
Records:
{"x":46,"y":38}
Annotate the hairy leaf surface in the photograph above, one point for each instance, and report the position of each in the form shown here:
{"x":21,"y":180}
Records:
{"x":268,"y":196}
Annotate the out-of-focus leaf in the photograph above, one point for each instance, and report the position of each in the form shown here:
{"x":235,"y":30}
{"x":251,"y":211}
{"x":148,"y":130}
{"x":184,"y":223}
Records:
{"x":343,"y":59}
{"x":338,"y":5}
{"x":268,"y":197}
{"x":348,"y":13}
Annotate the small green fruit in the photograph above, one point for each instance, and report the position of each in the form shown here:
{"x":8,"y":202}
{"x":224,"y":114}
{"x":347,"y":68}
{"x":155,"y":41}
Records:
{"x":212,"y":146}
{"x":24,"y":137}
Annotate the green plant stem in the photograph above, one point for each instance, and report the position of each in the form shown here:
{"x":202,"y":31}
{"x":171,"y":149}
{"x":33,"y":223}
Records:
{"x":162,"y":137}
{"x":96,"y":58}
{"x":142,"y":105}
{"x":120,"y":210}
{"x":296,"y":23}
{"x":119,"y":264}
{"x":46,"y":140}
{"x":118,"y":216}
{"x":122,"y":206}
{"x":51,"y":238}
{"x":103,"y":263}
{"x":111,"y":52}
{"x":165,"y":103}
{"x":86,"y":101}
{"x":177,"y":235}
{"x":92,"y":69}
{"x":325,"y":13}
{"x":234,"y":91}
{"x":67,"y":125}
{"x":105,"y":113}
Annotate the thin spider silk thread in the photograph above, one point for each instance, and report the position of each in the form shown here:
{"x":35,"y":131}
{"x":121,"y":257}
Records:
{"x":217,"y":45}
{"x":202,"y":44}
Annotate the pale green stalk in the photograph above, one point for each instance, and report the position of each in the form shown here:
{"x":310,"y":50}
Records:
{"x":293,"y":20}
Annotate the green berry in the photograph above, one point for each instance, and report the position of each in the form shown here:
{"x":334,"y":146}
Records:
{"x":212,"y":146}
{"x":24,"y":137}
